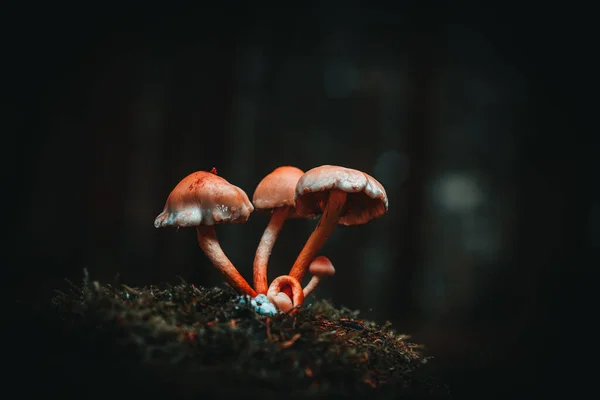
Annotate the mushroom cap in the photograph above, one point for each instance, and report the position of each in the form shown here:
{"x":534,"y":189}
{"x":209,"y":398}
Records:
{"x":321,"y":266}
{"x":282,"y":301}
{"x":366,"y":198}
{"x":203,"y":198}
{"x":278,"y":190}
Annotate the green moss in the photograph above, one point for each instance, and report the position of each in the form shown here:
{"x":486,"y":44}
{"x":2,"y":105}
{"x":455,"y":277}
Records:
{"x":194,"y":340}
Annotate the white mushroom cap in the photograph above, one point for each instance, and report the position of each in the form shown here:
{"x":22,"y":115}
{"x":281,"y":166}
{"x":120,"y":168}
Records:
{"x":203,"y":198}
{"x":366,"y":198}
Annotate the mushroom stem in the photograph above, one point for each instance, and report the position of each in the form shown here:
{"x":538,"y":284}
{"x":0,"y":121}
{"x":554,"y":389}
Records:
{"x":207,"y":239}
{"x":312,"y":285}
{"x":329,"y":219}
{"x":265,"y":246}
{"x":282,"y":282}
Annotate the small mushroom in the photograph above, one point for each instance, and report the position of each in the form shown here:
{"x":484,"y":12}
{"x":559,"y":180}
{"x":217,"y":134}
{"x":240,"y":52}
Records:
{"x":340,"y":195}
{"x":202,"y":200}
{"x":321,"y":267}
{"x":282,"y":301}
{"x":275,"y":194}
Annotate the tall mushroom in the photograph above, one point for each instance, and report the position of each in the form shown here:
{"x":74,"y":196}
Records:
{"x":203,"y":199}
{"x":340,"y":195}
{"x":275,"y":194}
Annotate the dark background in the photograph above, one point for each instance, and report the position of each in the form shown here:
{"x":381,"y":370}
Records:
{"x":463,"y":114}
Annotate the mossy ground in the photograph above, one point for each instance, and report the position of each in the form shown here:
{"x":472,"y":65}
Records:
{"x":185,"y":341}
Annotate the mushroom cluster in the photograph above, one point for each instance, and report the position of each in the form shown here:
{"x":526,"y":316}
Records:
{"x":336,"y":195}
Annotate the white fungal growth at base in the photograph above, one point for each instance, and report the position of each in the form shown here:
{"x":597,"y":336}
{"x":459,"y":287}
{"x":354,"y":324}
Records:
{"x":261,"y":304}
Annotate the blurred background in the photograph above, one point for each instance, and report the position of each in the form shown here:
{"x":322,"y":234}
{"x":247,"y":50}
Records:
{"x":445,"y":107}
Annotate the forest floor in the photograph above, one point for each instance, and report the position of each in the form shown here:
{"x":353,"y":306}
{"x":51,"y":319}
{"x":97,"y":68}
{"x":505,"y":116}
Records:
{"x":184,"y":341}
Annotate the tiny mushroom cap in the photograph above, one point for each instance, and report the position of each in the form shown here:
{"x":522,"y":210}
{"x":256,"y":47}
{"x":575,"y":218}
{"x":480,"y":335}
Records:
{"x":277,"y":296}
{"x":278,"y":189}
{"x":322,"y":267}
{"x":282,"y":302}
{"x":366,"y":198}
{"x":203,"y":198}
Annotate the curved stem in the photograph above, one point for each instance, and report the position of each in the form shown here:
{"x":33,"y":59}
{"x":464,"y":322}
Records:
{"x":207,"y":239}
{"x":327,"y":223}
{"x":265,"y":246}
{"x":280,"y":283}
{"x":312,"y":284}
{"x":287,"y":290}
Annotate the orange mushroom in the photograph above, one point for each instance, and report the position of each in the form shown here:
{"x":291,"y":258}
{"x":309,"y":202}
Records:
{"x":282,"y":301}
{"x":340,"y":195}
{"x":202,"y":200}
{"x":275,"y":194}
{"x":321,"y":267}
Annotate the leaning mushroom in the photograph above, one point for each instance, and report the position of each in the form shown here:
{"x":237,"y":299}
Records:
{"x":340,"y":195}
{"x":321,"y":267}
{"x":275,"y":194}
{"x":203,"y":199}
{"x":276,"y":293}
